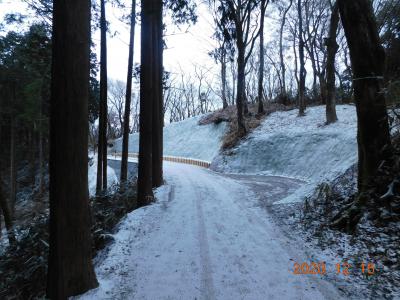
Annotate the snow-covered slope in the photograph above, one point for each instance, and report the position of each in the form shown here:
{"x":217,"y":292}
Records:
{"x":185,"y":139}
{"x":300,"y":147}
{"x":92,"y":176}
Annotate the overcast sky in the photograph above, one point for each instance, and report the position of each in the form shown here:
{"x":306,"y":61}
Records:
{"x":187,"y":45}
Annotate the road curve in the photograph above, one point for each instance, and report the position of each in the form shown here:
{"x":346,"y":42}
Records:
{"x":205,"y":238}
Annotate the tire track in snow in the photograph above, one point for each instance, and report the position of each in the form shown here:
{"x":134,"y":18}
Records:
{"x":216,"y":245}
{"x":207,"y":288}
{"x":216,"y":185}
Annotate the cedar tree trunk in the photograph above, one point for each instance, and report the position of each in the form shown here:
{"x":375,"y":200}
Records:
{"x":128,"y":98}
{"x":158,"y":97}
{"x":70,"y":269}
{"x":148,"y":95}
{"x":8,"y":220}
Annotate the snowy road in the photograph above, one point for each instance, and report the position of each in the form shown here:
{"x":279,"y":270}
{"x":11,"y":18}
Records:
{"x":205,"y":238}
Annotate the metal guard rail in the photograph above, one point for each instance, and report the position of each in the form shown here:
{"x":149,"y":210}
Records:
{"x":177,"y":159}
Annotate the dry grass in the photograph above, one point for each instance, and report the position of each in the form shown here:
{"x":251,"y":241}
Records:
{"x":222,"y":115}
{"x":23,"y":267}
{"x":252,"y":121}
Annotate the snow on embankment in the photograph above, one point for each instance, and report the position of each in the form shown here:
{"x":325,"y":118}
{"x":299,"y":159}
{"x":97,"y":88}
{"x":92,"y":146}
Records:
{"x":299,"y":147}
{"x":185,"y":139}
{"x":92,"y":176}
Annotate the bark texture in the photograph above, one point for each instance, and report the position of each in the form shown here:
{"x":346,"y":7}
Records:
{"x":284,"y":98}
{"x":241,"y":84}
{"x":8,"y":219}
{"x":102,"y":147}
{"x":13,"y":167}
{"x":367,"y":62}
{"x":158,"y":102}
{"x":223,"y":77}
{"x":332,"y":48}
{"x":302,"y":75}
{"x":148,"y":97}
{"x":128,"y":98}
{"x":70,"y":270}
{"x":261,"y":68}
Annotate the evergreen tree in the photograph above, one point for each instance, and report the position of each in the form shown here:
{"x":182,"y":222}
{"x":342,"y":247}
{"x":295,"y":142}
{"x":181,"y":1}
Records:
{"x":70,"y":270}
{"x":128,"y":97}
{"x":102,"y":144}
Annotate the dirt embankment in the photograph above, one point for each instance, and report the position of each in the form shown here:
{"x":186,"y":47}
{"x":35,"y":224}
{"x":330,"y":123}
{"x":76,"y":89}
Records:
{"x":252,"y":120}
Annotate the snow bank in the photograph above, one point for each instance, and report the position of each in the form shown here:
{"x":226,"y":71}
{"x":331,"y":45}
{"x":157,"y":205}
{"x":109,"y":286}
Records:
{"x":299,"y":147}
{"x":111,"y":263}
{"x":185,"y":139}
{"x":92,"y":177}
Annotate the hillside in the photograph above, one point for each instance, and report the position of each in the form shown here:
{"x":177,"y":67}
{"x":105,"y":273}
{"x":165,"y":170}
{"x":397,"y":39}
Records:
{"x":299,"y":147}
{"x":283,"y":145}
{"x":185,"y":139}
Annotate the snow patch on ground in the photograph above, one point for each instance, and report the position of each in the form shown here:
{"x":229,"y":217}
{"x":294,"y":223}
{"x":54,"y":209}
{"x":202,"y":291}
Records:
{"x":298,"y":147}
{"x":112,"y":262}
{"x":185,"y":139}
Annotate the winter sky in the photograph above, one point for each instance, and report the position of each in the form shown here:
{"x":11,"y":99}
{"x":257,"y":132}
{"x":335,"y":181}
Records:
{"x":186,"y":45}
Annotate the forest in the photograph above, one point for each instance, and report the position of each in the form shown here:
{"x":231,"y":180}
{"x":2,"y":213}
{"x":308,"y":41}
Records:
{"x":214,"y":149}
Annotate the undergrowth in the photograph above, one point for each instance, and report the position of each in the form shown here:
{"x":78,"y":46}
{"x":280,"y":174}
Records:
{"x":252,"y":120}
{"x":23,"y":267}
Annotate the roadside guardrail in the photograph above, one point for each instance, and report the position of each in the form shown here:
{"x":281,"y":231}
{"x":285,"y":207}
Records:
{"x":177,"y":159}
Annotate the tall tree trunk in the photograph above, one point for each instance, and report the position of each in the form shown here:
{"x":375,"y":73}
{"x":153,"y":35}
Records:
{"x":128,"y":98}
{"x":245,"y":101}
{"x":234,"y":83}
{"x":70,"y":270}
{"x":1,"y":195}
{"x":332,"y":48}
{"x":261,"y":68}
{"x":302,"y":75}
{"x":147,"y":98}
{"x":223,"y":77}
{"x":158,"y":98}
{"x":102,"y":145}
{"x":314,"y":71}
{"x":31,"y":155}
{"x":99,"y":177}
{"x":341,"y":87}
{"x":282,"y":60}
{"x":103,"y":89}
{"x":41,"y":146}
{"x":13,"y":167}
{"x":41,"y":163}
{"x":240,"y":94}
{"x":322,"y":86}
{"x":308,"y":42}
{"x":8,"y":219}
{"x":296,"y":67}
{"x":367,"y":61}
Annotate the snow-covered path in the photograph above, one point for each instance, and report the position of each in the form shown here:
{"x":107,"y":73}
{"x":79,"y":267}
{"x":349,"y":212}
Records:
{"x":206,"y":238}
